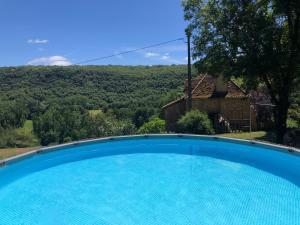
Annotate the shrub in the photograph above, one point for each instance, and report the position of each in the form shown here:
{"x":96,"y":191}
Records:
{"x":154,"y":126}
{"x":12,"y":138}
{"x":293,"y":117}
{"x":195,"y":122}
{"x":61,"y":124}
{"x":141,"y":116}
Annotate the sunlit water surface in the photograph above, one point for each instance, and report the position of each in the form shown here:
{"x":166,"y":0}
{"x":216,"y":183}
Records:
{"x":128,"y":182}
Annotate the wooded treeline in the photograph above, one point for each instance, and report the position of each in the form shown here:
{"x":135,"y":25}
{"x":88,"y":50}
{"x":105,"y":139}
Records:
{"x":72,"y":103}
{"x":59,"y":99}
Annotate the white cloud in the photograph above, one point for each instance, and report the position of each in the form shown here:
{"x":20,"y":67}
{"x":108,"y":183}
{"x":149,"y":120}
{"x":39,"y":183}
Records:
{"x":165,"y":56}
{"x":37,"y":41}
{"x":50,"y":61}
{"x":151,"y":54}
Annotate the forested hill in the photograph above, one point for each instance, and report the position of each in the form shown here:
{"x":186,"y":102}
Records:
{"x":105,"y":87}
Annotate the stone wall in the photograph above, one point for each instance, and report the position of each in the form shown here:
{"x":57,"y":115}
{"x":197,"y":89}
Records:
{"x":173,"y":112}
{"x":236,"y":110}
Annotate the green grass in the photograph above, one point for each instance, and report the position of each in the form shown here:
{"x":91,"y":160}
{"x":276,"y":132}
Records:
{"x":258,"y":135}
{"x":10,"y":152}
{"x":19,"y":138}
{"x":24,"y":139}
{"x":26,"y":134}
{"x":95,"y":112}
{"x":27,"y":127}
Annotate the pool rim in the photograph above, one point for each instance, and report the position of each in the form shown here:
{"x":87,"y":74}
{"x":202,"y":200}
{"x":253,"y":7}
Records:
{"x":281,"y":148}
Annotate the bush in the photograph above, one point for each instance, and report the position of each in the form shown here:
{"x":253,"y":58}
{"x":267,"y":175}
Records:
{"x":16,"y":138}
{"x":154,"y":126}
{"x":293,"y":117}
{"x":61,"y":124}
{"x":195,"y":122}
{"x":141,"y":116}
{"x":12,"y":114}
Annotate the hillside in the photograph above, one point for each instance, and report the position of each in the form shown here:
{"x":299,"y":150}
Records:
{"x":61,"y":101}
{"x":105,"y":87}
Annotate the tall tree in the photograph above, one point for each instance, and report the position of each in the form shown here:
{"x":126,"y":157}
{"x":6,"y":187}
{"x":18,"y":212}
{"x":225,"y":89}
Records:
{"x":256,"y":39}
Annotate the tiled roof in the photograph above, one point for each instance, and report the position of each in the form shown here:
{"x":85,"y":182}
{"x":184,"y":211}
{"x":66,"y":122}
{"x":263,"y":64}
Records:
{"x":204,"y":86}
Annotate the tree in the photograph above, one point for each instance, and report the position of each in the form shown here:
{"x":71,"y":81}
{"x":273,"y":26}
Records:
{"x":64,"y":123}
{"x":258,"y":40}
{"x":12,"y":114}
{"x":195,"y":122}
{"x":141,"y":116}
{"x":154,"y":126}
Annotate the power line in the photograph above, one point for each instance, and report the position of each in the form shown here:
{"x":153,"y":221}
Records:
{"x":130,"y":51}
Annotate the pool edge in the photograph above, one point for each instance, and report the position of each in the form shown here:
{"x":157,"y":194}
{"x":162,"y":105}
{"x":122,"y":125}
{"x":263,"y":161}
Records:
{"x":275,"y":147}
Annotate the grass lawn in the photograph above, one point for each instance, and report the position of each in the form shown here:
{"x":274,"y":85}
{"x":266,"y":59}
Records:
{"x":95,"y":112}
{"x":26,"y":134}
{"x":10,"y":152}
{"x":258,"y":136}
{"x":28,"y":126}
{"x":25,"y":137}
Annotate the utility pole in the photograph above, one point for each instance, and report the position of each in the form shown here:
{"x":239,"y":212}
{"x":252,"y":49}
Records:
{"x":189,"y":100}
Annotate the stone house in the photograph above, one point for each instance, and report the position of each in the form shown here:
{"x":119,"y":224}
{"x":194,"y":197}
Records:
{"x":228,"y":106}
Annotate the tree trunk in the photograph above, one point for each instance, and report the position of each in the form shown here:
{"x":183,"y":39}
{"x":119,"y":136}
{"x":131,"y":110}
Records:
{"x":281,"y":113}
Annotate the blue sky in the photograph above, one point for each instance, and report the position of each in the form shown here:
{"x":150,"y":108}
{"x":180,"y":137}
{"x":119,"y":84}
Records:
{"x":61,"y":32}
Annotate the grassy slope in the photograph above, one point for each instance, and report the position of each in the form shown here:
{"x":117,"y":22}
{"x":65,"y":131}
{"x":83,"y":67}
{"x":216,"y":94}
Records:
{"x":26,"y":132}
{"x":10,"y":152}
{"x":95,"y":112}
{"x":258,"y":135}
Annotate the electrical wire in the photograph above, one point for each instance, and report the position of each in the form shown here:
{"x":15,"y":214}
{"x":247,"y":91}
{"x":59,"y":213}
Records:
{"x":127,"y":52}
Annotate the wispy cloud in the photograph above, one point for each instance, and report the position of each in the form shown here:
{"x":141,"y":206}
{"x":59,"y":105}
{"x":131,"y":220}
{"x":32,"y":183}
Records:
{"x":50,"y":61}
{"x":165,"y":56}
{"x":168,"y":58}
{"x":37,"y":41}
{"x":151,"y":54}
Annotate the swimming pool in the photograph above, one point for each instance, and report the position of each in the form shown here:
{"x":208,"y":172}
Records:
{"x":153,"y":180}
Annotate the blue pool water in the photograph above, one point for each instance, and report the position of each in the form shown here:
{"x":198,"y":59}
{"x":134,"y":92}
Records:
{"x":153,"y":181}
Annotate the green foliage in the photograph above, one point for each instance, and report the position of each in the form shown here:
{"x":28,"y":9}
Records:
{"x":258,"y":40}
{"x":93,"y":87}
{"x":195,"y":122}
{"x":13,"y":114}
{"x":294,"y":110}
{"x":294,"y":117}
{"x":61,"y":124}
{"x":64,"y":102}
{"x":141,"y":116}
{"x":20,"y":138}
{"x":154,"y":126}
